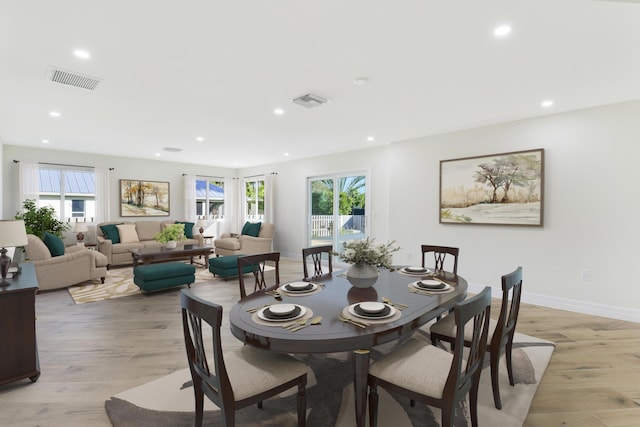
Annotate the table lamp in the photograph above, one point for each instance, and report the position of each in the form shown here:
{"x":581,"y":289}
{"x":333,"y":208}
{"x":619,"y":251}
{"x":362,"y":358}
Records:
{"x":202,"y":224}
{"x":80,"y":228}
{"x":12,"y":233}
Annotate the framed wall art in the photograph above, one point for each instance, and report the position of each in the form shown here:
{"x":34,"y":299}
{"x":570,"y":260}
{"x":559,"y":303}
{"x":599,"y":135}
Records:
{"x":498,"y":189}
{"x":144,"y":198}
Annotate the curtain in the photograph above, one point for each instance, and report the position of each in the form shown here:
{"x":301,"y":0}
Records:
{"x":28,"y":183}
{"x":190,"y":213}
{"x":269,"y":183}
{"x":231,"y":217}
{"x":103,"y":196}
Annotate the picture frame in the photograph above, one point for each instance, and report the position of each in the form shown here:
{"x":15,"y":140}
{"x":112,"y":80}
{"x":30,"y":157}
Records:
{"x":495,"y":189}
{"x":144,"y":198}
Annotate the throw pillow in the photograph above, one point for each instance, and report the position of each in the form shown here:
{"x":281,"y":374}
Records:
{"x":251,"y":229}
{"x":110,"y":232}
{"x":188,"y":228}
{"x":54,"y":243}
{"x":127,"y":233}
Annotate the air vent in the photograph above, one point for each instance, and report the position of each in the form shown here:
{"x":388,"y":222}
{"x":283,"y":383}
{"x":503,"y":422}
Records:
{"x":172,"y":149}
{"x":72,"y":78}
{"x":310,"y":100}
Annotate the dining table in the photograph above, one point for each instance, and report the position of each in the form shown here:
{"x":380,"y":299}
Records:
{"x":334,"y":297}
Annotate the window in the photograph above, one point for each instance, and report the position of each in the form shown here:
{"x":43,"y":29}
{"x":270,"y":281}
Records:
{"x":210,"y":198}
{"x":254,"y":199}
{"x":70,"y":191}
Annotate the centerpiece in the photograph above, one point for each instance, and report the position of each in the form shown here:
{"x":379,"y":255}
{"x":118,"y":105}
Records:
{"x":171,"y":235}
{"x":367,"y":257}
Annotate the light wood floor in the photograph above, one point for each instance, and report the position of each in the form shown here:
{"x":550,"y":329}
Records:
{"x":91,"y":352}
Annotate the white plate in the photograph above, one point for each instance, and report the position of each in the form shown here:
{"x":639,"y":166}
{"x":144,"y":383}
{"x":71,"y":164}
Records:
{"x":301,"y":285}
{"x":431,"y":282}
{"x":282,"y":309}
{"x":351,"y":310}
{"x":372,"y":307}
{"x":415,"y":271}
{"x":261,"y":315}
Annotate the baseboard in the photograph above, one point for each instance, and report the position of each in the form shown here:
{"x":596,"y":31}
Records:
{"x":585,"y":307}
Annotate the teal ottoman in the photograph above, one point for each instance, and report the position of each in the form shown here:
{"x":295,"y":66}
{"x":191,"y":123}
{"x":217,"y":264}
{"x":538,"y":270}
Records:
{"x":227,"y":266}
{"x":154,"y":277}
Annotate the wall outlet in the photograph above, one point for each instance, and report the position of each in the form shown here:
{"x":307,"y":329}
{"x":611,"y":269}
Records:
{"x":586,"y":275}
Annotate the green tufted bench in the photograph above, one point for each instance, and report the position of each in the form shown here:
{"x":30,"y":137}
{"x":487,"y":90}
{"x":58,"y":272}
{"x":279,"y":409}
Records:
{"x":154,"y":277}
{"x":227,"y":266}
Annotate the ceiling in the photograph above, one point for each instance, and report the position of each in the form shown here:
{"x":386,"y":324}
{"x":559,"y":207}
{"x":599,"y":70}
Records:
{"x":174,"y":71}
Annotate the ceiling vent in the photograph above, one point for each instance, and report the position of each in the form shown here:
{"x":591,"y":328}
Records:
{"x":310,"y":100}
{"x":72,"y":78}
{"x":172,"y":149}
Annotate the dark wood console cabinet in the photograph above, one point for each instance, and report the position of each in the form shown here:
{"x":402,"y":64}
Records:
{"x":18,"y":347}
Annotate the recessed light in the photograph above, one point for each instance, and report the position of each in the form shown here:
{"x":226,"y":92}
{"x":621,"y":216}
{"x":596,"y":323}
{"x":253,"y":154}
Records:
{"x":286,"y":154}
{"x":502,"y":31}
{"x":54,"y":114}
{"x":278,"y":111}
{"x":370,"y":138}
{"x":360,"y":81}
{"x":199,"y":139}
{"x":546,"y":104}
{"x":158,"y":154}
{"x":45,"y":141}
{"x":82,"y":54}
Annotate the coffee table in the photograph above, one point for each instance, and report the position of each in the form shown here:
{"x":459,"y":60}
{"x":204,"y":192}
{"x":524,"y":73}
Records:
{"x":160,"y":253}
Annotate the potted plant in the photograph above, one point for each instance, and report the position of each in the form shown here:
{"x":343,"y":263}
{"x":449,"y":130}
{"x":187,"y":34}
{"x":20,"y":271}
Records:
{"x":171,"y":235}
{"x":38,"y":221}
{"x":366,"y":257}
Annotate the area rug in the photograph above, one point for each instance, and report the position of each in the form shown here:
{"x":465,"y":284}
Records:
{"x":168,"y":401}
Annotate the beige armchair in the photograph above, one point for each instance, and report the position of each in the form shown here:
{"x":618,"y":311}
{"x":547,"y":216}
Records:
{"x":234,"y":244}
{"x":77,"y":265}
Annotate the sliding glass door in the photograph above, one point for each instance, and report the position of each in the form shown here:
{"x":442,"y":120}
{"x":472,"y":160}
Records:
{"x":337,"y":209}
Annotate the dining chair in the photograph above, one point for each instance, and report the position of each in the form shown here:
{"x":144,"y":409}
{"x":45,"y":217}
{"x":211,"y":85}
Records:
{"x":238,"y":378}
{"x":439,"y":256}
{"x":501,"y":331}
{"x":315,"y":253}
{"x":428,"y":374}
{"x":259,"y":262}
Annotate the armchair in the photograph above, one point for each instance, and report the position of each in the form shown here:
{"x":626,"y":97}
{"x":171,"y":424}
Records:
{"x":233,"y":244}
{"x":77,"y":265}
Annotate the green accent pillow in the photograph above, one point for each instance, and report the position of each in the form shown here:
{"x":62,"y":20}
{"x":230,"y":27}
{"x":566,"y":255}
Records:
{"x":251,"y":229}
{"x":188,"y":228}
{"x":110,"y":232}
{"x":54,"y":243}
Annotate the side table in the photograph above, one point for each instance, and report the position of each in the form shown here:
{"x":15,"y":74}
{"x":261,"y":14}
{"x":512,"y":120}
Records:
{"x":18,"y":347}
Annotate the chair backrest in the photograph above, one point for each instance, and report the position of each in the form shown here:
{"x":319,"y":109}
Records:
{"x":259,"y":262}
{"x":463,"y":372}
{"x":266,"y":230}
{"x":315,"y":253}
{"x":215,"y":385}
{"x":439,"y":255}
{"x":509,"y":309}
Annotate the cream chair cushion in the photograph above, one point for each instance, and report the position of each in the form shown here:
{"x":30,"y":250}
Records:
{"x":128,"y":233}
{"x":447,"y":327}
{"x":417,"y":366}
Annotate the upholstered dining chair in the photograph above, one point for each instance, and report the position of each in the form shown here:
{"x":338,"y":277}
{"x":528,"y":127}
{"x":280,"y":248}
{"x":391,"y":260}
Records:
{"x":439,"y":256}
{"x":501,"y":331}
{"x":315,"y":253}
{"x":259,"y":262}
{"x":428,"y":374}
{"x":237,"y":378}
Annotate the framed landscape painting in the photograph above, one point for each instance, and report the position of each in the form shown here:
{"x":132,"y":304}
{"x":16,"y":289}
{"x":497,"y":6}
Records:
{"x":144,"y":198}
{"x":498,"y":189}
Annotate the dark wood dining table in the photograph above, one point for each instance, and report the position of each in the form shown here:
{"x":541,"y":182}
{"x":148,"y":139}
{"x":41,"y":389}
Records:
{"x":334,"y":335}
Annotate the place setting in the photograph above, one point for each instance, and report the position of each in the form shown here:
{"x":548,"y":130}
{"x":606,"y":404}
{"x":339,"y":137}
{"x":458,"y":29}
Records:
{"x":363,"y":314}
{"x":282,"y":315}
{"x":297,"y":289}
{"x":415,"y":271}
{"x":430,"y":287}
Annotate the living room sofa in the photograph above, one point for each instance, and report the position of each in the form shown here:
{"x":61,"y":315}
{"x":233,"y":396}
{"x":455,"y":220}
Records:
{"x":78,"y":264}
{"x":143,"y":237}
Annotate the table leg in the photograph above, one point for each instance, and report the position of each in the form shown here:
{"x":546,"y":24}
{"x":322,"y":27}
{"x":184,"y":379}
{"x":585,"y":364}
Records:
{"x":135,"y":260}
{"x":360,"y":373}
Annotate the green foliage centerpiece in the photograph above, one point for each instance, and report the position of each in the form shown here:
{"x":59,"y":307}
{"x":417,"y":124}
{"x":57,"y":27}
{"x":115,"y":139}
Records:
{"x":367,"y":257}
{"x":171,"y":235}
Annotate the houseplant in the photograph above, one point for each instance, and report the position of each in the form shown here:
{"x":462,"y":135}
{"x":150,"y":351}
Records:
{"x":367,"y":257}
{"x":38,"y":221}
{"x":171,"y":235}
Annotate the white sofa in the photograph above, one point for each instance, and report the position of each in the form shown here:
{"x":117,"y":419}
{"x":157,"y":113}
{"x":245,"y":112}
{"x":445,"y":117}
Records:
{"x":118,"y":253}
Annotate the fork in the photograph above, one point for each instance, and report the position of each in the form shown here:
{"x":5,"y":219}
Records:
{"x":395,"y":304}
{"x":354,"y":322}
{"x":295,"y":323}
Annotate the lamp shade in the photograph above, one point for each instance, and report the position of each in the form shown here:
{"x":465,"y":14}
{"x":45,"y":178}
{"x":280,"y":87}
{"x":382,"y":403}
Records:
{"x":201,"y":223}
{"x":80,"y":227}
{"x":12,"y":233}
